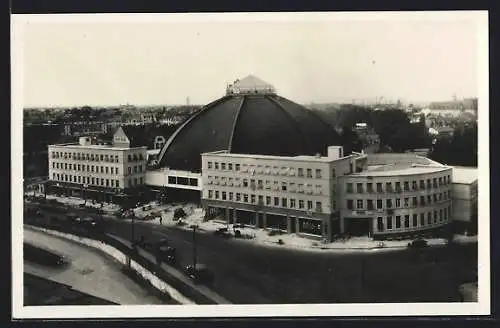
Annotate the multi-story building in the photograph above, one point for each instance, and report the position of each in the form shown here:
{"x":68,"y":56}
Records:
{"x":465,"y":208}
{"x":376,"y":195}
{"x":294,"y":194}
{"x":396,"y":194}
{"x":88,"y":169}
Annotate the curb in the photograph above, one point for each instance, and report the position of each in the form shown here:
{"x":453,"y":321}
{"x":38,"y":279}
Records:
{"x":123,"y":259}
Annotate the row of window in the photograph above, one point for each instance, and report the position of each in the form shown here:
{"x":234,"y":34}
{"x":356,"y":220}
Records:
{"x":266,"y":200}
{"x":423,"y":184}
{"x":266,"y":184}
{"x":369,"y":204}
{"x":266,"y":169}
{"x":96,"y":157}
{"x":95,"y":181}
{"x":97,"y":169}
{"x":416,"y":220}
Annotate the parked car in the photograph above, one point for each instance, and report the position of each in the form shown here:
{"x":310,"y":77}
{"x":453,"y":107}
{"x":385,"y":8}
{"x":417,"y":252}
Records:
{"x":166,"y":253}
{"x":199,"y":273}
{"x":418,"y":244}
{"x":222,"y":232}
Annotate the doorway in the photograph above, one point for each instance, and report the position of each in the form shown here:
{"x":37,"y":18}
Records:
{"x":358,"y":227}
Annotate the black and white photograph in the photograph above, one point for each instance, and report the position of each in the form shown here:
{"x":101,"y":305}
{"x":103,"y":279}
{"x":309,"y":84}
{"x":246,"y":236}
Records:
{"x":250,"y":165}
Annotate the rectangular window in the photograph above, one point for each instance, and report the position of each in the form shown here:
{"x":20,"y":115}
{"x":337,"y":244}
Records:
{"x":261,"y":200}
{"x":398,"y":222}
{"x":117,"y":183}
{"x":380,"y":224}
{"x":369,"y":187}
{"x":245,"y":183}
{"x":300,"y":172}
{"x":429,"y":199}
{"x":349,"y":188}
{"x":398,"y":186}
{"x":407,"y":186}
{"x":369,"y":204}
{"x":224,"y":195}
{"x":301,"y":203}
{"x":268,"y":200}
{"x":429,"y":218}
{"x":435,"y":216}
{"x":292,"y":203}
{"x":216,"y":194}
{"x":222,"y":166}
{"x":389,"y":223}
{"x":210,"y":193}
{"x":428,"y":183}
{"x":309,"y":173}
{"x":407,"y":221}
{"x":434,"y":183}
{"x":422,"y":219}
{"x":379,"y":187}
{"x":216,"y":165}
{"x":359,"y":188}
{"x":422,"y":200}
{"x":283,"y":202}
{"x":230,"y":166}
{"x":237,"y":167}
{"x":415,"y":219}
{"x":406,"y":202}
{"x":107,"y":182}
{"x":238,"y":197}
{"x":333,"y":173}
{"x":230,"y":196}
{"x":112,"y":182}
{"x":414,"y":201}
{"x":389,"y":203}
{"x":309,"y":204}
{"x":422,"y":184}
{"x":283,"y":186}
{"x":388,"y":187}
{"x":245,"y":198}
{"x":379,"y":203}
{"x":440,"y":181}
{"x":359,"y":204}
{"x":349,"y":204}
{"x":252,"y":199}
{"x":318,"y":207}
{"x":276,"y":201}
{"x":414,"y":185}
{"x":107,"y":170}
{"x":398,"y":202}
{"x":318,"y":173}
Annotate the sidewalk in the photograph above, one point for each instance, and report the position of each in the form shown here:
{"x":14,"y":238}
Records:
{"x":258,"y":236}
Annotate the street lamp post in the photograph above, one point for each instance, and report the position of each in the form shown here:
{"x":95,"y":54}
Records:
{"x":194,"y":248}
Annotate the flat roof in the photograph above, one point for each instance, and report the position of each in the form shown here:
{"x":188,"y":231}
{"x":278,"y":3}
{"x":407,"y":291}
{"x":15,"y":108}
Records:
{"x":97,"y":147}
{"x":465,"y":175}
{"x":322,"y":159}
{"x":399,"y":169}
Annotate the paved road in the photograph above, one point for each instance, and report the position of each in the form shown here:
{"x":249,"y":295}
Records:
{"x":89,"y":272}
{"x":249,"y":273}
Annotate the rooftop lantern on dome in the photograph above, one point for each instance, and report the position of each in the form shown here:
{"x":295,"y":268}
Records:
{"x":250,"y":85}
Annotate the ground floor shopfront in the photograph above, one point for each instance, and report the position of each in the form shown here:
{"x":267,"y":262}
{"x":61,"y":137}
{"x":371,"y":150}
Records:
{"x":124,"y":198}
{"x":319,"y":226}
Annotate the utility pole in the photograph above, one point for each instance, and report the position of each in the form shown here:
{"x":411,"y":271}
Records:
{"x":194,"y":248}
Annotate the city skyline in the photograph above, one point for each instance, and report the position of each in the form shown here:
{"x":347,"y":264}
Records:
{"x":108,"y":60}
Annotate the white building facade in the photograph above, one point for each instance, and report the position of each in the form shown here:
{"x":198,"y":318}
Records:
{"x":85,"y":167}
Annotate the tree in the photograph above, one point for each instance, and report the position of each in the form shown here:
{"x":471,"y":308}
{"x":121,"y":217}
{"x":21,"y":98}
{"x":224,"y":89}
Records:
{"x":350,"y":140}
{"x":179,"y":213}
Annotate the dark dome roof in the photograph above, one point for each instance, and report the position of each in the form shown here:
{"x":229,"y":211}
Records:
{"x":264,"y":124}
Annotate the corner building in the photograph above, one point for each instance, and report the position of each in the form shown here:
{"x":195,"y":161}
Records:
{"x":382,"y":196}
{"x":396,"y":195}
{"x":96,"y":171}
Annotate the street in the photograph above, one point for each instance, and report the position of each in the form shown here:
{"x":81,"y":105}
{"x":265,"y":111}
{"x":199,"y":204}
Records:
{"x":248,"y":273}
{"x":89,"y":272}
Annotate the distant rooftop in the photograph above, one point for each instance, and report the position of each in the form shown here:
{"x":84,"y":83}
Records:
{"x":250,"y":84}
{"x":465,"y":175}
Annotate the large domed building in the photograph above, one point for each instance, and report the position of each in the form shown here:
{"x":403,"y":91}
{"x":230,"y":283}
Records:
{"x":250,"y":119}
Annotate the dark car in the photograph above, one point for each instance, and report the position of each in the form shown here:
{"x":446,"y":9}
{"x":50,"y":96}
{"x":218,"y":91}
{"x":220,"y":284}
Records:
{"x":199,"y":273}
{"x":166,"y":253}
{"x":418,"y":244}
{"x":222,"y":232}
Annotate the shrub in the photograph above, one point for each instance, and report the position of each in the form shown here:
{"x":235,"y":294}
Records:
{"x":179,"y":213}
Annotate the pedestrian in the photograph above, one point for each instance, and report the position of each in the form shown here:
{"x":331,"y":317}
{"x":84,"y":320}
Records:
{"x":161,"y":220}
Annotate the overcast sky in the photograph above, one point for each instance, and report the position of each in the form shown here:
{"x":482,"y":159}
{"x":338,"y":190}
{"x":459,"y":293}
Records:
{"x":109,"y":61}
